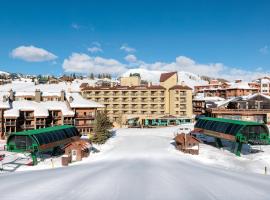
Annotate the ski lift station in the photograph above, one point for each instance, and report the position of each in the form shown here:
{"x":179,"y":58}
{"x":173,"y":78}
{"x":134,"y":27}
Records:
{"x":239,"y":132}
{"x":41,"y":140}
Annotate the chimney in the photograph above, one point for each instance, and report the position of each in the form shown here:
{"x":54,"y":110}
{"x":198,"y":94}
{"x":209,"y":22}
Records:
{"x":37,"y":95}
{"x":149,"y":84}
{"x":111,"y":84}
{"x":62,"y":98}
{"x":11,"y":95}
{"x":183,"y":83}
{"x":70,"y":99}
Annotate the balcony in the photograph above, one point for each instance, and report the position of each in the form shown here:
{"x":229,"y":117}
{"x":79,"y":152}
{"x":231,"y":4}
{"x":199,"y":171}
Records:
{"x":10,"y":123}
{"x":27,"y":126}
{"x":56,"y":116}
{"x":85,"y":116}
{"x":69,"y":122}
{"x":84,"y":125}
{"x":40,"y":122}
{"x":30,"y":117}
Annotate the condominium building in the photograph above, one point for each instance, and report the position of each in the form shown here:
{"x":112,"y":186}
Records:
{"x":227,"y":90}
{"x":248,"y":108}
{"x":23,"y":110}
{"x":133,"y":99}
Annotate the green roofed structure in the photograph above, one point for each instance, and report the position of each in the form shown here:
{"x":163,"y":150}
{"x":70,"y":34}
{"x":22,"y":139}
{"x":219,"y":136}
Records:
{"x":40,"y":140}
{"x":234,"y":130}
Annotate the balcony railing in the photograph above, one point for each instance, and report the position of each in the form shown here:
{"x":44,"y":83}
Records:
{"x":68,"y":122}
{"x":40,"y":122}
{"x":10,"y":123}
{"x":85,"y":116}
{"x":255,"y":111}
{"x":29,"y":117}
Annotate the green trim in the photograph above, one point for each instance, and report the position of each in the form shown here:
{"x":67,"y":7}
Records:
{"x":42,"y":130}
{"x":239,"y":122}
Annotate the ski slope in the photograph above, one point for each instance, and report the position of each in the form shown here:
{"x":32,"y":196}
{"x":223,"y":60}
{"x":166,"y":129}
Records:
{"x":136,"y":164}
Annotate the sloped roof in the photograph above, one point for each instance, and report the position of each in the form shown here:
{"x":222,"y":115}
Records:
{"x":166,"y":76}
{"x":180,"y":87}
{"x":231,"y":121}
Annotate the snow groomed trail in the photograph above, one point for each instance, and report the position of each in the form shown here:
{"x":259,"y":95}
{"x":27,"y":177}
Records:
{"x":137,"y":164}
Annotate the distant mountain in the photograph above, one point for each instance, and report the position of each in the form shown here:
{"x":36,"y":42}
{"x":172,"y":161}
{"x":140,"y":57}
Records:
{"x":188,"y":78}
{"x":4,"y":73}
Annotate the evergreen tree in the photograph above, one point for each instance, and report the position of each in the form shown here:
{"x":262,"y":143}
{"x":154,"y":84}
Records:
{"x":102,"y":128}
{"x":92,"y":76}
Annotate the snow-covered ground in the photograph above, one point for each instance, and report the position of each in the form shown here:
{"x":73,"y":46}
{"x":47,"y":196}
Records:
{"x":143,"y":164}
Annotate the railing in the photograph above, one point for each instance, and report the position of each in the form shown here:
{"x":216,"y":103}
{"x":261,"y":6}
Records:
{"x":40,"y":122}
{"x":29,"y":117}
{"x":10,"y":123}
{"x":216,"y":110}
{"x":85,"y":116}
{"x":68,"y":122}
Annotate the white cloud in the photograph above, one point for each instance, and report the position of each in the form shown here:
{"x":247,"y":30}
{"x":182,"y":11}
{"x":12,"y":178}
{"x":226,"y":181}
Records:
{"x":127,"y":48}
{"x":84,"y":63}
{"x":94,"y":49}
{"x":131,"y":58}
{"x":216,"y":70}
{"x":264,"y":50}
{"x":32,"y":54}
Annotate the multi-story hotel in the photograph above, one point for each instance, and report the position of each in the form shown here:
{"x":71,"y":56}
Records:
{"x":23,"y":110}
{"x":133,"y":99}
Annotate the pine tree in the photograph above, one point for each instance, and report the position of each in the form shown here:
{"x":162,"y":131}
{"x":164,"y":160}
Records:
{"x":102,"y":128}
{"x":92,"y":76}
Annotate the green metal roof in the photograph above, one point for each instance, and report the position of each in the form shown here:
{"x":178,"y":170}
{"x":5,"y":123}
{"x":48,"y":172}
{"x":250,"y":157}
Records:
{"x":42,"y":130}
{"x":239,"y":122}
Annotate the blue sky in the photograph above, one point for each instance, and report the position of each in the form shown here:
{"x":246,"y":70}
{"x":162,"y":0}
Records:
{"x":232,"y":37}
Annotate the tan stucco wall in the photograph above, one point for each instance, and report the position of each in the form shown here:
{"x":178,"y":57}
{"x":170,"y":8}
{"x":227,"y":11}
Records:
{"x":170,"y":82}
{"x":130,"y":81}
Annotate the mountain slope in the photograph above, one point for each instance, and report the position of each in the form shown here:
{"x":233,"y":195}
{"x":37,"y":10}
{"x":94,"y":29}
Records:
{"x":188,"y":78}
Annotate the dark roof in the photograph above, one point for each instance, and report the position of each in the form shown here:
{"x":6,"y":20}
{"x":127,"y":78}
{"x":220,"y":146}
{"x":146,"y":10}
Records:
{"x":180,"y":87}
{"x":168,"y":116}
{"x":166,"y":76}
{"x":83,"y":85}
{"x":142,"y":87}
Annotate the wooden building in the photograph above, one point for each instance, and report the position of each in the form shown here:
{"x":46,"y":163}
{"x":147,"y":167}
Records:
{"x":250,"y":108}
{"x":187,"y":143}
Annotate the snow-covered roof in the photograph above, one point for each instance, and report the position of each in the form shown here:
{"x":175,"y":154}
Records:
{"x":240,"y":85}
{"x":254,"y":95}
{"x":79,"y":102}
{"x":41,"y":109}
{"x":264,"y":80}
{"x":201,"y":97}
